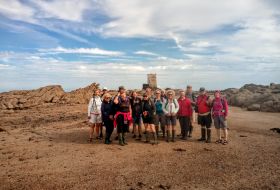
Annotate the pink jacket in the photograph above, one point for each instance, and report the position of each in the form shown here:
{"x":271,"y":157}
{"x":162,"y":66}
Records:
{"x":220,"y":107}
{"x":126,"y":116}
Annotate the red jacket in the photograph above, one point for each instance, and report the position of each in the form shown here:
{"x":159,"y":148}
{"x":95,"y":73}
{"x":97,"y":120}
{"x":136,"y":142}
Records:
{"x":185,"y":107}
{"x":202,"y":105}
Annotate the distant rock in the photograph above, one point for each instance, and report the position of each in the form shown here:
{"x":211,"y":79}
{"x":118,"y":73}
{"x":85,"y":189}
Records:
{"x":79,"y":96}
{"x":24,"y":99}
{"x":255,"y":97}
{"x":254,"y":107}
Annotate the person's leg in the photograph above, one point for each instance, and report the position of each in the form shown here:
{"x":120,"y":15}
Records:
{"x":218,"y":129}
{"x":140,"y":129}
{"x":187,"y":124}
{"x":157,"y":123}
{"x":181,"y":126}
{"x":110,"y":131}
{"x":173,"y":133}
{"x":91,"y":131}
{"x":147,"y":132}
{"x":168,"y":127}
{"x":185,"y":127}
{"x":97,"y":130}
{"x":225,"y":130}
{"x":154,"y":133}
{"x":106,"y":124}
{"x":162,"y":124}
{"x":173,"y":123}
{"x":134,"y":129}
{"x":201,"y":121}
{"x":208,"y":126}
{"x":181,"y":120}
{"x":191,"y":124}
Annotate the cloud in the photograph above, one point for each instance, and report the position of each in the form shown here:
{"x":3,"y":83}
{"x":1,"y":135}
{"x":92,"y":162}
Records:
{"x":152,"y":18}
{"x":90,"y":51}
{"x":17,"y":10}
{"x":63,"y":9}
{"x":145,"y":53}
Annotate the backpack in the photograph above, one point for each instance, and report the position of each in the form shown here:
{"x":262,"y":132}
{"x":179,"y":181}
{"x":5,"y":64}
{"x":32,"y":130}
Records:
{"x":223,"y":103}
{"x":173,"y":103}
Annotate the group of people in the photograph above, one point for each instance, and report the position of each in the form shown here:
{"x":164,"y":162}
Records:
{"x":159,"y":112}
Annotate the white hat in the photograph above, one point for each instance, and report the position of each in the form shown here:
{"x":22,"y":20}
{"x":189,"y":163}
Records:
{"x":105,"y":88}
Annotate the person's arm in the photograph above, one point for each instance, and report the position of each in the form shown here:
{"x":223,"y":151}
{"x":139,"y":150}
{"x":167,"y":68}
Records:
{"x":153,"y":107}
{"x":176,"y":106}
{"x":165,"y":111}
{"x":102,"y":111}
{"x":226,"y":107}
{"x":116,"y":99}
{"x":90,"y":106}
{"x":130,"y":110}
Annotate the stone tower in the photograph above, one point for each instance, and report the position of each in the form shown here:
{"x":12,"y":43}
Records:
{"x":152,"y":80}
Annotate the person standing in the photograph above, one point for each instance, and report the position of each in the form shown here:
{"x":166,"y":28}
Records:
{"x":107,"y":112}
{"x":170,"y":109}
{"x":184,"y":114}
{"x":94,"y":114}
{"x":190,"y":95}
{"x":204,"y":115}
{"x":160,"y":116}
{"x":123,"y":117}
{"x":136,"y":106}
{"x":219,"y":114}
{"x":148,"y":109}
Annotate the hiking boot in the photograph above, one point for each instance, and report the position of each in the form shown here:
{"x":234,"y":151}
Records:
{"x":139,"y":138}
{"x":155,"y":139}
{"x":147,"y":137}
{"x":190,"y":131}
{"x":208,"y":136}
{"x":173,"y":135}
{"x":168,"y":136}
{"x":203,"y":130}
{"x":107,"y":141}
{"x":120,"y":139}
{"x":183,"y":138}
{"x":124,"y":140}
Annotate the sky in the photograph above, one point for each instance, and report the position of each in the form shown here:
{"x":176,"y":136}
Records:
{"x":216,"y":44}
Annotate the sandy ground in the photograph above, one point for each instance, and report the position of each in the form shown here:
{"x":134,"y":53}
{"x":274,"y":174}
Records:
{"x":46,"y":148}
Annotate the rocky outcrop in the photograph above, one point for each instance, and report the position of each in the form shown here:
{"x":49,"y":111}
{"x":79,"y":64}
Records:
{"x":255,"y":97}
{"x":24,"y":99}
{"x":79,"y":96}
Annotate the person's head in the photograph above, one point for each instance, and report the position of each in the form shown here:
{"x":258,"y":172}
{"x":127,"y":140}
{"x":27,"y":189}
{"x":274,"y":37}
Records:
{"x":148,"y":91}
{"x":189,"y":89}
{"x":134,"y":94}
{"x":145,"y":96}
{"x":162,"y":93}
{"x":96,"y":92}
{"x":202,"y":91}
{"x":158,"y":93}
{"x":107,"y":97}
{"x":104,"y":90}
{"x":121,"y":90}
{"x":182,"y":93}
{"x":217,"y":94}
{"x":170,"y":94}
{"x":123,"y":96}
